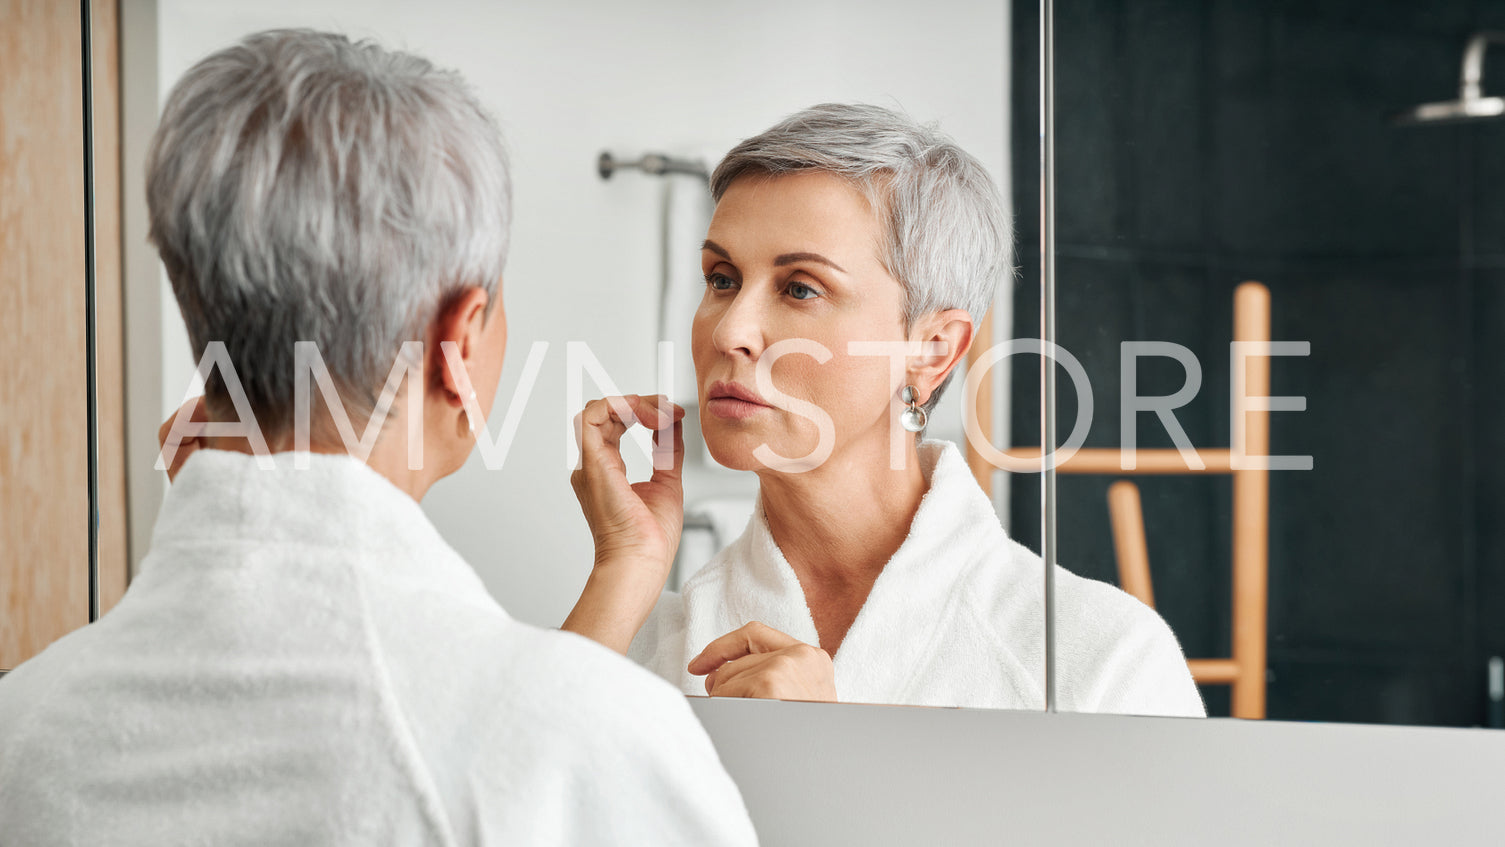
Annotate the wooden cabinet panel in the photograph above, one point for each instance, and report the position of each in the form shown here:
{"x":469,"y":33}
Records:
{"x":44,"y":579}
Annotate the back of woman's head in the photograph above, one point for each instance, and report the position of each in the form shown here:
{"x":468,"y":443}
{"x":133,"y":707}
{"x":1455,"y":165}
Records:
{"x":304,"y":187}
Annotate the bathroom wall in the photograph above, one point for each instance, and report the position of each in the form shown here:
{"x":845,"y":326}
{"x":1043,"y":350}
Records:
{"x":569,"y":80}
{"x":1202,"y":144}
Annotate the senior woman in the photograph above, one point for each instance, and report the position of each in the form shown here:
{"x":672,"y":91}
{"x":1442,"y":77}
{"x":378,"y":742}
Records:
{"x":850,"y":256}
{"x":302,"y":659}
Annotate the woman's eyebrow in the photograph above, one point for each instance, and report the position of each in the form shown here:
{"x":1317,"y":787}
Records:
{"x":795,"y":258}
{"x":785,"y":259}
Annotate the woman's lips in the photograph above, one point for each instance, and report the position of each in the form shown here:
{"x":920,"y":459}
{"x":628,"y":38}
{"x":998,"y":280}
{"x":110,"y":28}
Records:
{"x":731,"y":407}
{"x":730,"y":400}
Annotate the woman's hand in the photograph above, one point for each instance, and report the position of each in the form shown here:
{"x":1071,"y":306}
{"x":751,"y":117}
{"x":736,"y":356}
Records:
{"x":759,"y":661}
{"x":196,"y":411}
{"x":639,"y":521}
{"x":636,"y":526}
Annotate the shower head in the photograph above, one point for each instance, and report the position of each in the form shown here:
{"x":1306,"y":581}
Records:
{"x":1452,"y":111}
{"x":1471,"y":104}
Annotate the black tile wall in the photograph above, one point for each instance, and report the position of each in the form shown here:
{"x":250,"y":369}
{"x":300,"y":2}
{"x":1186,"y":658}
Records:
{"x":1359,"y":691}
{"x":1203,"y":144}
{"x":1483,"y":179}
{"x":1092,"y":140}
{"x":1165,"y":60}
{"x":1371,"y":537}
{"x":1436,"y":17}
{"x":1488,"y":392}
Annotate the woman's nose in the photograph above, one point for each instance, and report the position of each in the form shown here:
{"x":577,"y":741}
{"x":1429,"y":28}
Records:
{"x":740,"y":328}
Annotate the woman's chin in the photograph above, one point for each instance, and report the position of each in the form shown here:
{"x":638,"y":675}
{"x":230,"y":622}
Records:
{"x":738,"y":449}
{"x":732,"y":453}
{"x":733,"y":444}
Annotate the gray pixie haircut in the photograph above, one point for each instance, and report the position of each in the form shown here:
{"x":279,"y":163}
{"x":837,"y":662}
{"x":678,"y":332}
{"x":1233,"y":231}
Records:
{"x":304,"y":187}
{"x":946,"y":237}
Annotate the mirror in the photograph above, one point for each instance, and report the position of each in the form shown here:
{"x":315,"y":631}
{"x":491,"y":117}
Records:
{"x":1201,"y":146}
{"x":585,"y":283}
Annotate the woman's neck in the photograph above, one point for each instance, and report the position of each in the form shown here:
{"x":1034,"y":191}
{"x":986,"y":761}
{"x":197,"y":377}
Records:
{"x":839,"y":524}
{"x":387,"y":457}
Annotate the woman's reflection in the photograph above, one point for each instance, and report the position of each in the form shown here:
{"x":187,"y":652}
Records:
{"x":850,"y":256}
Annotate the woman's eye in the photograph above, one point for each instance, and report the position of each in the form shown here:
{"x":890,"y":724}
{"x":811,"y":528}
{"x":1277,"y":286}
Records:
{"x":801,"y":291}
{"x":720,"y":282}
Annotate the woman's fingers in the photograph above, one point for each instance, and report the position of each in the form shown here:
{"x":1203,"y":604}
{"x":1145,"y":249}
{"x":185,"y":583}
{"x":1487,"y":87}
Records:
{"x":600,"y":426}
{"x":669,"y":443}
{"x":657,"y":413}
{"x":598,"y":433}
{"x":754,"y":686}
{"x":196,"y":411}
{"x":180,"y":429}
{"x":599,"y":430}
{"x":752,"y":638}
{"x":717,"y":680}
{"x":797,"y":672}
{"x":654,"y":410}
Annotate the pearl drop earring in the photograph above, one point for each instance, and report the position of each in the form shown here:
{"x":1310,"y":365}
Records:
{"x":913,"y":419}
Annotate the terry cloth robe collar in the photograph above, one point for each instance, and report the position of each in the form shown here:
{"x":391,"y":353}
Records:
{"x":956,"y":618}
{"x":905,"y":615}
{"x":306,"y":499}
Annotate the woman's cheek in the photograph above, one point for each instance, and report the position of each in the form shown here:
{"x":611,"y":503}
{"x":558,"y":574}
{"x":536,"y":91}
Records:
{"x":847,"y":388}
{"x":864,"y":387}
{"x":702,"y":351}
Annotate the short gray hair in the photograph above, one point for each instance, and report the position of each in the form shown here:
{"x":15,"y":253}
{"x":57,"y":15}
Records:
{"x":946,"y":237}
{"x":304,"y":187}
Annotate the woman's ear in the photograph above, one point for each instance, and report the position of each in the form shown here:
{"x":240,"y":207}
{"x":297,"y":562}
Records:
{"x":460,"y":322}
{"x":948,"y":336}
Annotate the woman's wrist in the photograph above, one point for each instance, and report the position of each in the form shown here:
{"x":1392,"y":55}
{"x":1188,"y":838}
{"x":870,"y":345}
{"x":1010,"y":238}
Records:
{"x":649,"y":561}
{"x":618,"y":597}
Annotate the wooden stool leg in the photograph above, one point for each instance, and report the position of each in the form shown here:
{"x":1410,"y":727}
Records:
{"x":1251,"y":513}
{"x":1126,"y":514}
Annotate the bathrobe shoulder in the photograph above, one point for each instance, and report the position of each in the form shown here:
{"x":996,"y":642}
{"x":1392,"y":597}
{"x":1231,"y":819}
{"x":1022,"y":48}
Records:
{"x":955,"y":619}
{"x":303,"y":660}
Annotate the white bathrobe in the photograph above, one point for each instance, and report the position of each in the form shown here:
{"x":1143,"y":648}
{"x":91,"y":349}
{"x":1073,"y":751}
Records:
{"x":955,"y":619}
{"x":304,"y":661}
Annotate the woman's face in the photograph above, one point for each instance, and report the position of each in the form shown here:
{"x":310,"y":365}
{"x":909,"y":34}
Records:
{"x":794,"y":257}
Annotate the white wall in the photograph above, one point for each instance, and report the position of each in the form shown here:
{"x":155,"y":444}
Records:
{"x":567,"y":80}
